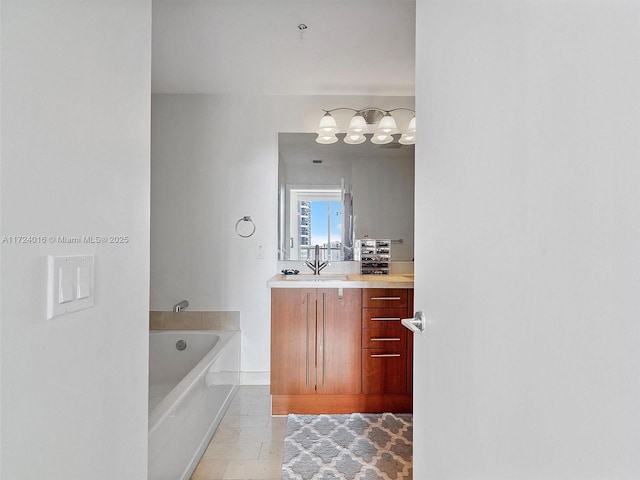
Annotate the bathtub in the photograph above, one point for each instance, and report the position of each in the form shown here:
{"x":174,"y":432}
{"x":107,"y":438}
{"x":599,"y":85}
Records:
{"x":189,"y":391}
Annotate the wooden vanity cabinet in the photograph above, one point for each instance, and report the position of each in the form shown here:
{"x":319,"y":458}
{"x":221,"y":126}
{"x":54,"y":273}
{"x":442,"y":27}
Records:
{"x":339,"y":366}
{"x":293,"y":339}
{"x":339,"y":351}
{"x":385,"y":353}
{"x":313,"y":333}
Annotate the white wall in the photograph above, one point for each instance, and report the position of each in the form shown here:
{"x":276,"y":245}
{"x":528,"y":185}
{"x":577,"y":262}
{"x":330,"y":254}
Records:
{"x":214,"y":160}
{"x":528,"y":164}
{"x":384,"y":195}
{"x":75,"y":161}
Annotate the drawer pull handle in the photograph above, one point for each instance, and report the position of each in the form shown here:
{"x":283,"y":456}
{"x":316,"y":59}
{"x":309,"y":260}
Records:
{"x":386,"y":298}
{"x":324,"y":334}
{"x":306,"y":369}
{"x":384,"y":355}
{"x":385,"y":319}
{"x":385,"y":339}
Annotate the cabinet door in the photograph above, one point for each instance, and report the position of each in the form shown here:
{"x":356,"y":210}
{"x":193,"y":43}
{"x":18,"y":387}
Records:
{"x":339,"y":340}
{"x":384,"y":371}
{"x":293,"y":341}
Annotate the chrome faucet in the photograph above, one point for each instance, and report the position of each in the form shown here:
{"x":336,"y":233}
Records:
{"x":316,"y":266}
{"x":178,"y":307}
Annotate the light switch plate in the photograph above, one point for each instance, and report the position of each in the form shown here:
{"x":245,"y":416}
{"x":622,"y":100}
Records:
{"x":65,"y":284}
{"x":84,"y":279}
{"x":70,"y":284}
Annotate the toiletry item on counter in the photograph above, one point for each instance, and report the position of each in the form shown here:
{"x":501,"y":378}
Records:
{"x":374,"y":256}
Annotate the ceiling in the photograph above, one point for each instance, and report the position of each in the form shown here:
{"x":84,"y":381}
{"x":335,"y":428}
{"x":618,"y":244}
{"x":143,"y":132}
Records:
{"x":350,"y":47}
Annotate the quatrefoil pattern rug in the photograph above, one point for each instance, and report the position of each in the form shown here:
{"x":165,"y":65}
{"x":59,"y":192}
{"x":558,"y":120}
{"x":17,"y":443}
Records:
{"x":348,"y":447}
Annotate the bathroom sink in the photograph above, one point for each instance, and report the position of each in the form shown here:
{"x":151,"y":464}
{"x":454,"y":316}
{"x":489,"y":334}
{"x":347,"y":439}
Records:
{"x":317,"y":278}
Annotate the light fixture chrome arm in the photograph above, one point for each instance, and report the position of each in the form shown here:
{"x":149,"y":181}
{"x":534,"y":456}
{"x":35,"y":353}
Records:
{"x":340,"y":108}
{"x":381,"y":110}
{"x":401,"y":108}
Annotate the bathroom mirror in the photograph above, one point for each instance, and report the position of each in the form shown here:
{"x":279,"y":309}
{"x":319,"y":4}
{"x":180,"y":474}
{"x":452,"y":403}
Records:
{"x":330,"y":195}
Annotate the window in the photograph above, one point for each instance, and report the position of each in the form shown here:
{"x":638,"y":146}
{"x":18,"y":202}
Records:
{"x":316,"y":219}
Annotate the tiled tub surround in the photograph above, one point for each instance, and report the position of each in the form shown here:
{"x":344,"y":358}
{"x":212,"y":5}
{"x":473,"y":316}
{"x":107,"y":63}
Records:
{"x":194,"y":320}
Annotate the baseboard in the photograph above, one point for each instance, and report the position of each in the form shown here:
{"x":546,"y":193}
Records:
{"x":316,"y":404}
{"x":255,"y":378}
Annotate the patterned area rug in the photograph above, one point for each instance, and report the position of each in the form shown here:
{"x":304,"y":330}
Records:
{"x":348,"y":447}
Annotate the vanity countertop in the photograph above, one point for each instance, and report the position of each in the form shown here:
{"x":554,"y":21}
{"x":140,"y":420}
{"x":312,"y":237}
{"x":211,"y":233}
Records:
{"x":338,"y":280}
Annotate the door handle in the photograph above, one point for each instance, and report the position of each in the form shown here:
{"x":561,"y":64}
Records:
{"x":415,"y":324}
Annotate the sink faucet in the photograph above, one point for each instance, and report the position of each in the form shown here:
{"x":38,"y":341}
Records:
{"x":316,"y":266}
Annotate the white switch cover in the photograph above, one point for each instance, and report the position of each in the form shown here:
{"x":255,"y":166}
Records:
{"x":65,"y":285}
{"x":83,"y":281}
{"x":260,"y":251}
{"x":70,"y":284}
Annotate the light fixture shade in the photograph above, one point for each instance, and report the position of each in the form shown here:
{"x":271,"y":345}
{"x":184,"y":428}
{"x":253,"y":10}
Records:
{"x":381,"y":138}
{"x":387,"y":125}
{"x":357,"y":125}
{"x":327,"y":125}
{"x":412,"y":125}
{"x":407,"y":139}
{"x":354,"y":138}
{"x":326,"y":139}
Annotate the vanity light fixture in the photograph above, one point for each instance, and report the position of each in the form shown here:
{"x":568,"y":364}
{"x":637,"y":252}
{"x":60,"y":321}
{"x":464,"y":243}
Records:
{"x":377,"y":122}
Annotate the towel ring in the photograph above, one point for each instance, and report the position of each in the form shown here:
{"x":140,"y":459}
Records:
{"x":253,"y":226}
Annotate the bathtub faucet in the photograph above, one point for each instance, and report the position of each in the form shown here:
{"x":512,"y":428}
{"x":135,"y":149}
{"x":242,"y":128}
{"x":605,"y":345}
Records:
{"x":316,"y":266}
{"x":180,"y":306}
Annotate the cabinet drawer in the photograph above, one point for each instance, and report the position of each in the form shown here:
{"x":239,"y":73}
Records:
{"x":394,"y":338}
{"x":383,"y":317}
{"x":384,"y":297}
{"x":384,"y":371}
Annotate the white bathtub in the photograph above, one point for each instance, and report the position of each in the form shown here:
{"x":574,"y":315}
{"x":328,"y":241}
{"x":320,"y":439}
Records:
{"x":189,"y":392}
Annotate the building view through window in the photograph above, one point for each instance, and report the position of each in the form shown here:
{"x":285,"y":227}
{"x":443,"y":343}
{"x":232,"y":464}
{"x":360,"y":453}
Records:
{"x":319,"y":222}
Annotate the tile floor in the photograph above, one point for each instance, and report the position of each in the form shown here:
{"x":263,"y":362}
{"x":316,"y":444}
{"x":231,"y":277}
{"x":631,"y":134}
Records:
{"x":248,"y":443}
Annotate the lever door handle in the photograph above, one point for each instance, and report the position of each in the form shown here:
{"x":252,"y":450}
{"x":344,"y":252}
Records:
{"x":415,"y":324}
